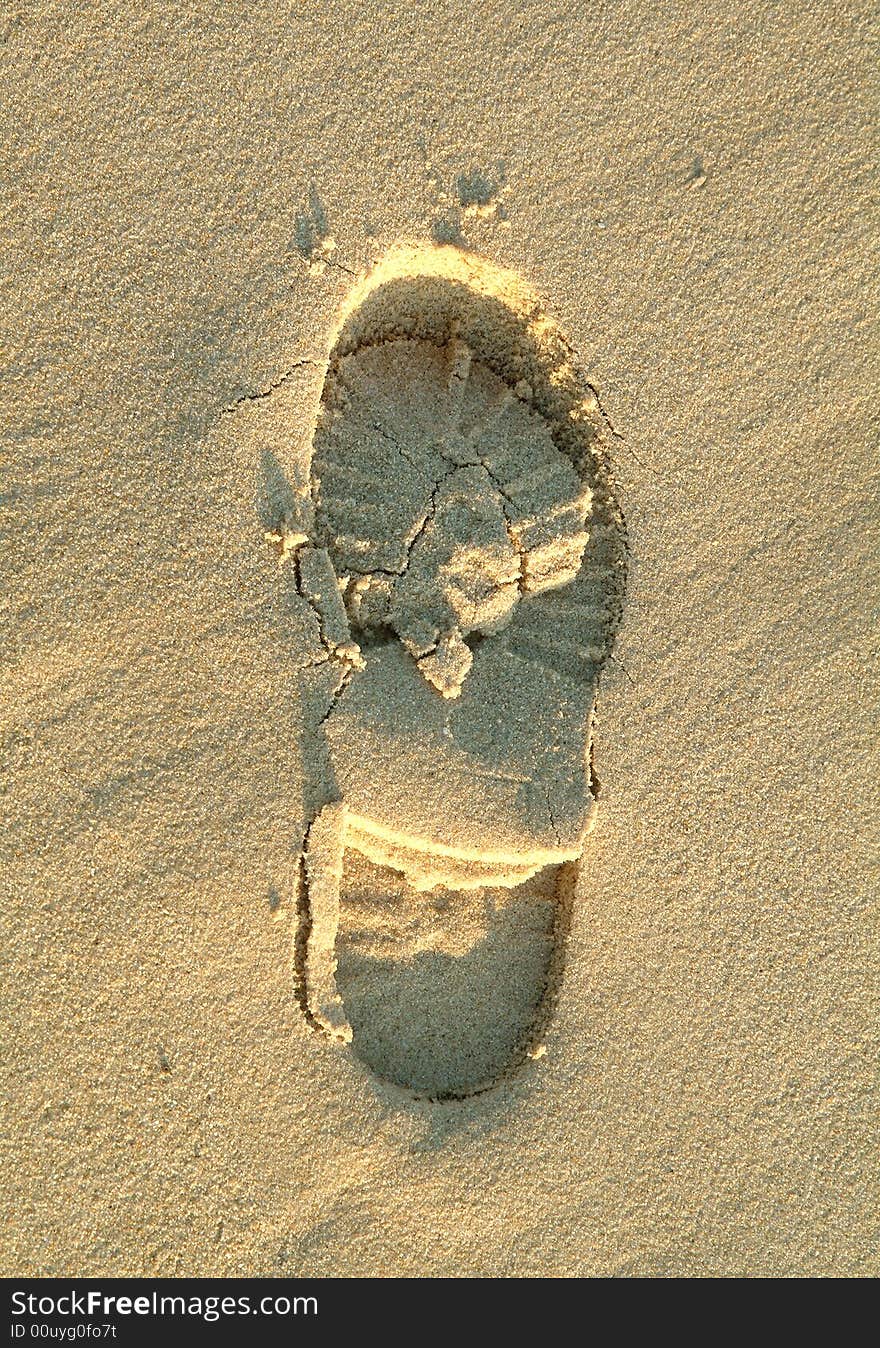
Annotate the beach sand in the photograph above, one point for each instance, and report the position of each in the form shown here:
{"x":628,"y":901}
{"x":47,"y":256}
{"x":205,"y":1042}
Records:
{"x":195,"y":201}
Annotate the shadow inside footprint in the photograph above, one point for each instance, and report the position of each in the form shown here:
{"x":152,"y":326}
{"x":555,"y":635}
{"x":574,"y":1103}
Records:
{"x":444,"y":990}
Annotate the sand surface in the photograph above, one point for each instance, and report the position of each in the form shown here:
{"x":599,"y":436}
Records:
{"x":190,"y":195}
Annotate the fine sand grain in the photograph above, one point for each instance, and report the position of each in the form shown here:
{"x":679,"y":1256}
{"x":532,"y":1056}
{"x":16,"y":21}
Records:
{"x":518,"y":1012}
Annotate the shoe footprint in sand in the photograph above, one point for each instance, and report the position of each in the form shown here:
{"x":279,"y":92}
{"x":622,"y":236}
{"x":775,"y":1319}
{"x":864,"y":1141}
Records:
{"x":465,"y":556}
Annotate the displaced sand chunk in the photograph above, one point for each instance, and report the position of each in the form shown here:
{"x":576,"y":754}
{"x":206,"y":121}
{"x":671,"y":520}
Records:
{"x":462,"y":577}
{"x":321,"y":588}
{"x":447,"y":666}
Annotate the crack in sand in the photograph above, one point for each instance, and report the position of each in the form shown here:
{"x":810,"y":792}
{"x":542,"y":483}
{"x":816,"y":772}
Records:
{"x":409,"y":544}
{"x":270,"y":389}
